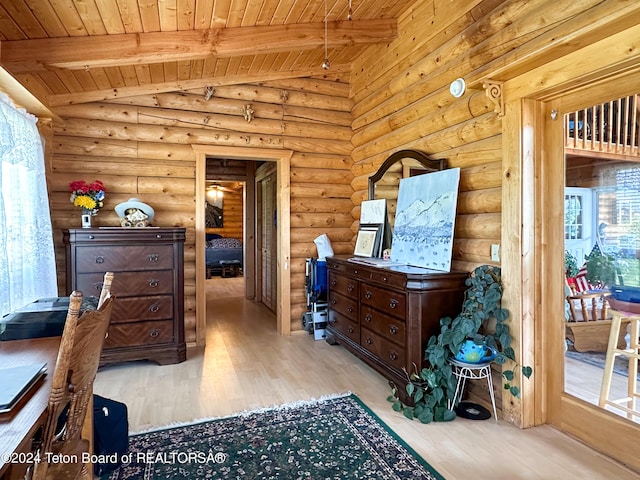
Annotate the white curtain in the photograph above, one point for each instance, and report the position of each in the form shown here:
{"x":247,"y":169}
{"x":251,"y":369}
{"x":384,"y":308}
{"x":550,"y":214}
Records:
{"x":27,"y":262}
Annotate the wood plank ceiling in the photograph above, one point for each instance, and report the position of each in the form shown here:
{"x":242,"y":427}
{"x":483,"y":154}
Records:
{"x":75,"y":51}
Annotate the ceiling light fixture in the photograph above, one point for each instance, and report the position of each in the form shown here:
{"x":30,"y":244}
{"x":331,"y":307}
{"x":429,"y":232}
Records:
{"x":214,"y":192}
{"x":325,"y":65}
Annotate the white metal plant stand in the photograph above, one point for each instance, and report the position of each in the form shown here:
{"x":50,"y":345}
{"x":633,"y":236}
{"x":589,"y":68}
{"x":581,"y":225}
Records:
{"x":472,"y":371}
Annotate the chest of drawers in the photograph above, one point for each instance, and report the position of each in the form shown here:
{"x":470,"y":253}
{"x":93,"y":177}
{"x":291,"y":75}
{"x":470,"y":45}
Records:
{"x":385,"y":316}
{"x":147,"y":321}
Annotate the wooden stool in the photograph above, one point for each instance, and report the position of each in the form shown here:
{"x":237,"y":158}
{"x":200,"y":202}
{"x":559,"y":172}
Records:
{"x":632,"y":353}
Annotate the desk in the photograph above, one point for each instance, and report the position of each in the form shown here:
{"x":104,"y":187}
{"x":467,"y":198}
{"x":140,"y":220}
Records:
{"x":18,"y":427}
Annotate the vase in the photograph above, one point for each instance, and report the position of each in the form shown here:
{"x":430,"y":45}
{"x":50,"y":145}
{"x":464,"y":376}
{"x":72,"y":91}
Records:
{"x":86,"y":218}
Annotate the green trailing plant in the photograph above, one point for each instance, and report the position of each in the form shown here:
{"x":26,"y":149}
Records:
{"x":483,"y":319}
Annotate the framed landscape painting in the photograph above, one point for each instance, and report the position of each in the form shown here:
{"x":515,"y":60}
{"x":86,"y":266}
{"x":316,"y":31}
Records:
{"x":425,"y":218}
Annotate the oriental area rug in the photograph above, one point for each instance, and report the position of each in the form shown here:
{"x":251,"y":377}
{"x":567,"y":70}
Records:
{"x":331,"y":438}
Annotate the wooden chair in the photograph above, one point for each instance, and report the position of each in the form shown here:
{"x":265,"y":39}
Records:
{"x":105,"y":292}
{"x":72,"y":386}
{"x":629,"y":404}
{"x":593,"y":306}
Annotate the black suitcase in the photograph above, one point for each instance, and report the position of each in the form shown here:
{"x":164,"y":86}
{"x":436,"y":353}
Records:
{"x":110,"y":434}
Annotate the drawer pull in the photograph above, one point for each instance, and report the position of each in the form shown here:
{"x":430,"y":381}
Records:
{"x":385,"y":279}
{"x":154,"y":308}
{"x":368,"y":341}
{"x":393,"y":303}
{"x":351,"y":288}
{"x":368,"y":318}
{"x":332,"y":320}
{"x":350,"y":309}
{"x":154,"y":332}
{"x":154,"y":257}
{"x":368,"y":295}
{"x":99,"y":259}
{"x":333,"y":301}
{"x":350,"y":329}
{"x":356,"y":271}
{"x":158,"y":236}
{"x":393,"y":356}
{"x":333,"y":283}
{"x":98,"y":286}
{"x":153,"y":283}
{"x":393,"y":329}
{"x":91,"y":237}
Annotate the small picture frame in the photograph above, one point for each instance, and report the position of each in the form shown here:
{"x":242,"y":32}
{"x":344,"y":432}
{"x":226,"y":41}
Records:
{"x":368,"y":241}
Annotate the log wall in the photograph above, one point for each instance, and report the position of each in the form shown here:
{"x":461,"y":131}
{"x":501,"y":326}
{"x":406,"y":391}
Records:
{"x":404,"y":103}
{"x":141,"y":147}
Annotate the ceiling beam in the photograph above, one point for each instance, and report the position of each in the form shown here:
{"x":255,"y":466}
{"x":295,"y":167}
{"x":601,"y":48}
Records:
{"x":28,"y":56}
{"x":153,"y":88}
{"x":22,"y":97}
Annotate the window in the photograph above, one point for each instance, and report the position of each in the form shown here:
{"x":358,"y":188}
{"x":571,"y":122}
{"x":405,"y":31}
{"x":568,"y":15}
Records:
{"x":27,"y":263}
{"x":573,"y":217}
{"x":618,"y":217}
{"x":578,"y":222}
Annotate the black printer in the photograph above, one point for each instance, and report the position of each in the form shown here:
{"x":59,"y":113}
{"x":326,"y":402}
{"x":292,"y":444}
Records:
{"x":43,"y":318}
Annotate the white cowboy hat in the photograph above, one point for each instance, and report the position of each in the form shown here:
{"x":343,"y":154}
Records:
{"x":121,"y":208}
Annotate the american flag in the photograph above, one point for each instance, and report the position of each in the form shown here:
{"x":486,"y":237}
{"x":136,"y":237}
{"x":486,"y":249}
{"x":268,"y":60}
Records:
{"x":581,"y":282}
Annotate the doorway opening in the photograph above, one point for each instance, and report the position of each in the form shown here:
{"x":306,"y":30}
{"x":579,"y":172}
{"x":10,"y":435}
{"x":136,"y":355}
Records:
{"x":225,"y":237}
{"x":282,"y":161}
{"x":228,"y":253}
{"x":241,"y":226}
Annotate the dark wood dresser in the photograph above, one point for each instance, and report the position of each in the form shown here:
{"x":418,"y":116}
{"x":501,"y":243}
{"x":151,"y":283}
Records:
{"x":147,"y":321}
{"x":385,"y":316}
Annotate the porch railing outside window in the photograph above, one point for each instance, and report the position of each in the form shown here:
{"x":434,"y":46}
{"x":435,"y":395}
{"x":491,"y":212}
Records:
{"x":611,"y":127}
{"x":27,"y":263}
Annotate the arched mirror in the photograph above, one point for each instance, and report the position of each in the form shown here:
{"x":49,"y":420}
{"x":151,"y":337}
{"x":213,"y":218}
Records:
{"x":385,"y":182}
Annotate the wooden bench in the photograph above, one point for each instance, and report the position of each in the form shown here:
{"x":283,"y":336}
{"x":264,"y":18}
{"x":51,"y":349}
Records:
{"x":230,"y":268}
{"x":590,"y":322}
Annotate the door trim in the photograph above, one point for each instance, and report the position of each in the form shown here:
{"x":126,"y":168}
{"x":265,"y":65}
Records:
{"x":283,"y":161}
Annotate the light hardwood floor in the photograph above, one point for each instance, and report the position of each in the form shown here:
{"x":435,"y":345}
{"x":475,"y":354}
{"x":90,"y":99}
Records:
{"x":246,"y":365}
{"x":583,"y":381}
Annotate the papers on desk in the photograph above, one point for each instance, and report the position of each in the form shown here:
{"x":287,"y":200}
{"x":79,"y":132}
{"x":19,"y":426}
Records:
{"x":396,"y":266}
{"x":17,"y":381}
{"x":375,"y":262}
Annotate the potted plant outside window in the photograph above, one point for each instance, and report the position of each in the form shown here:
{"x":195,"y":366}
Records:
{"x":601,"y":269}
